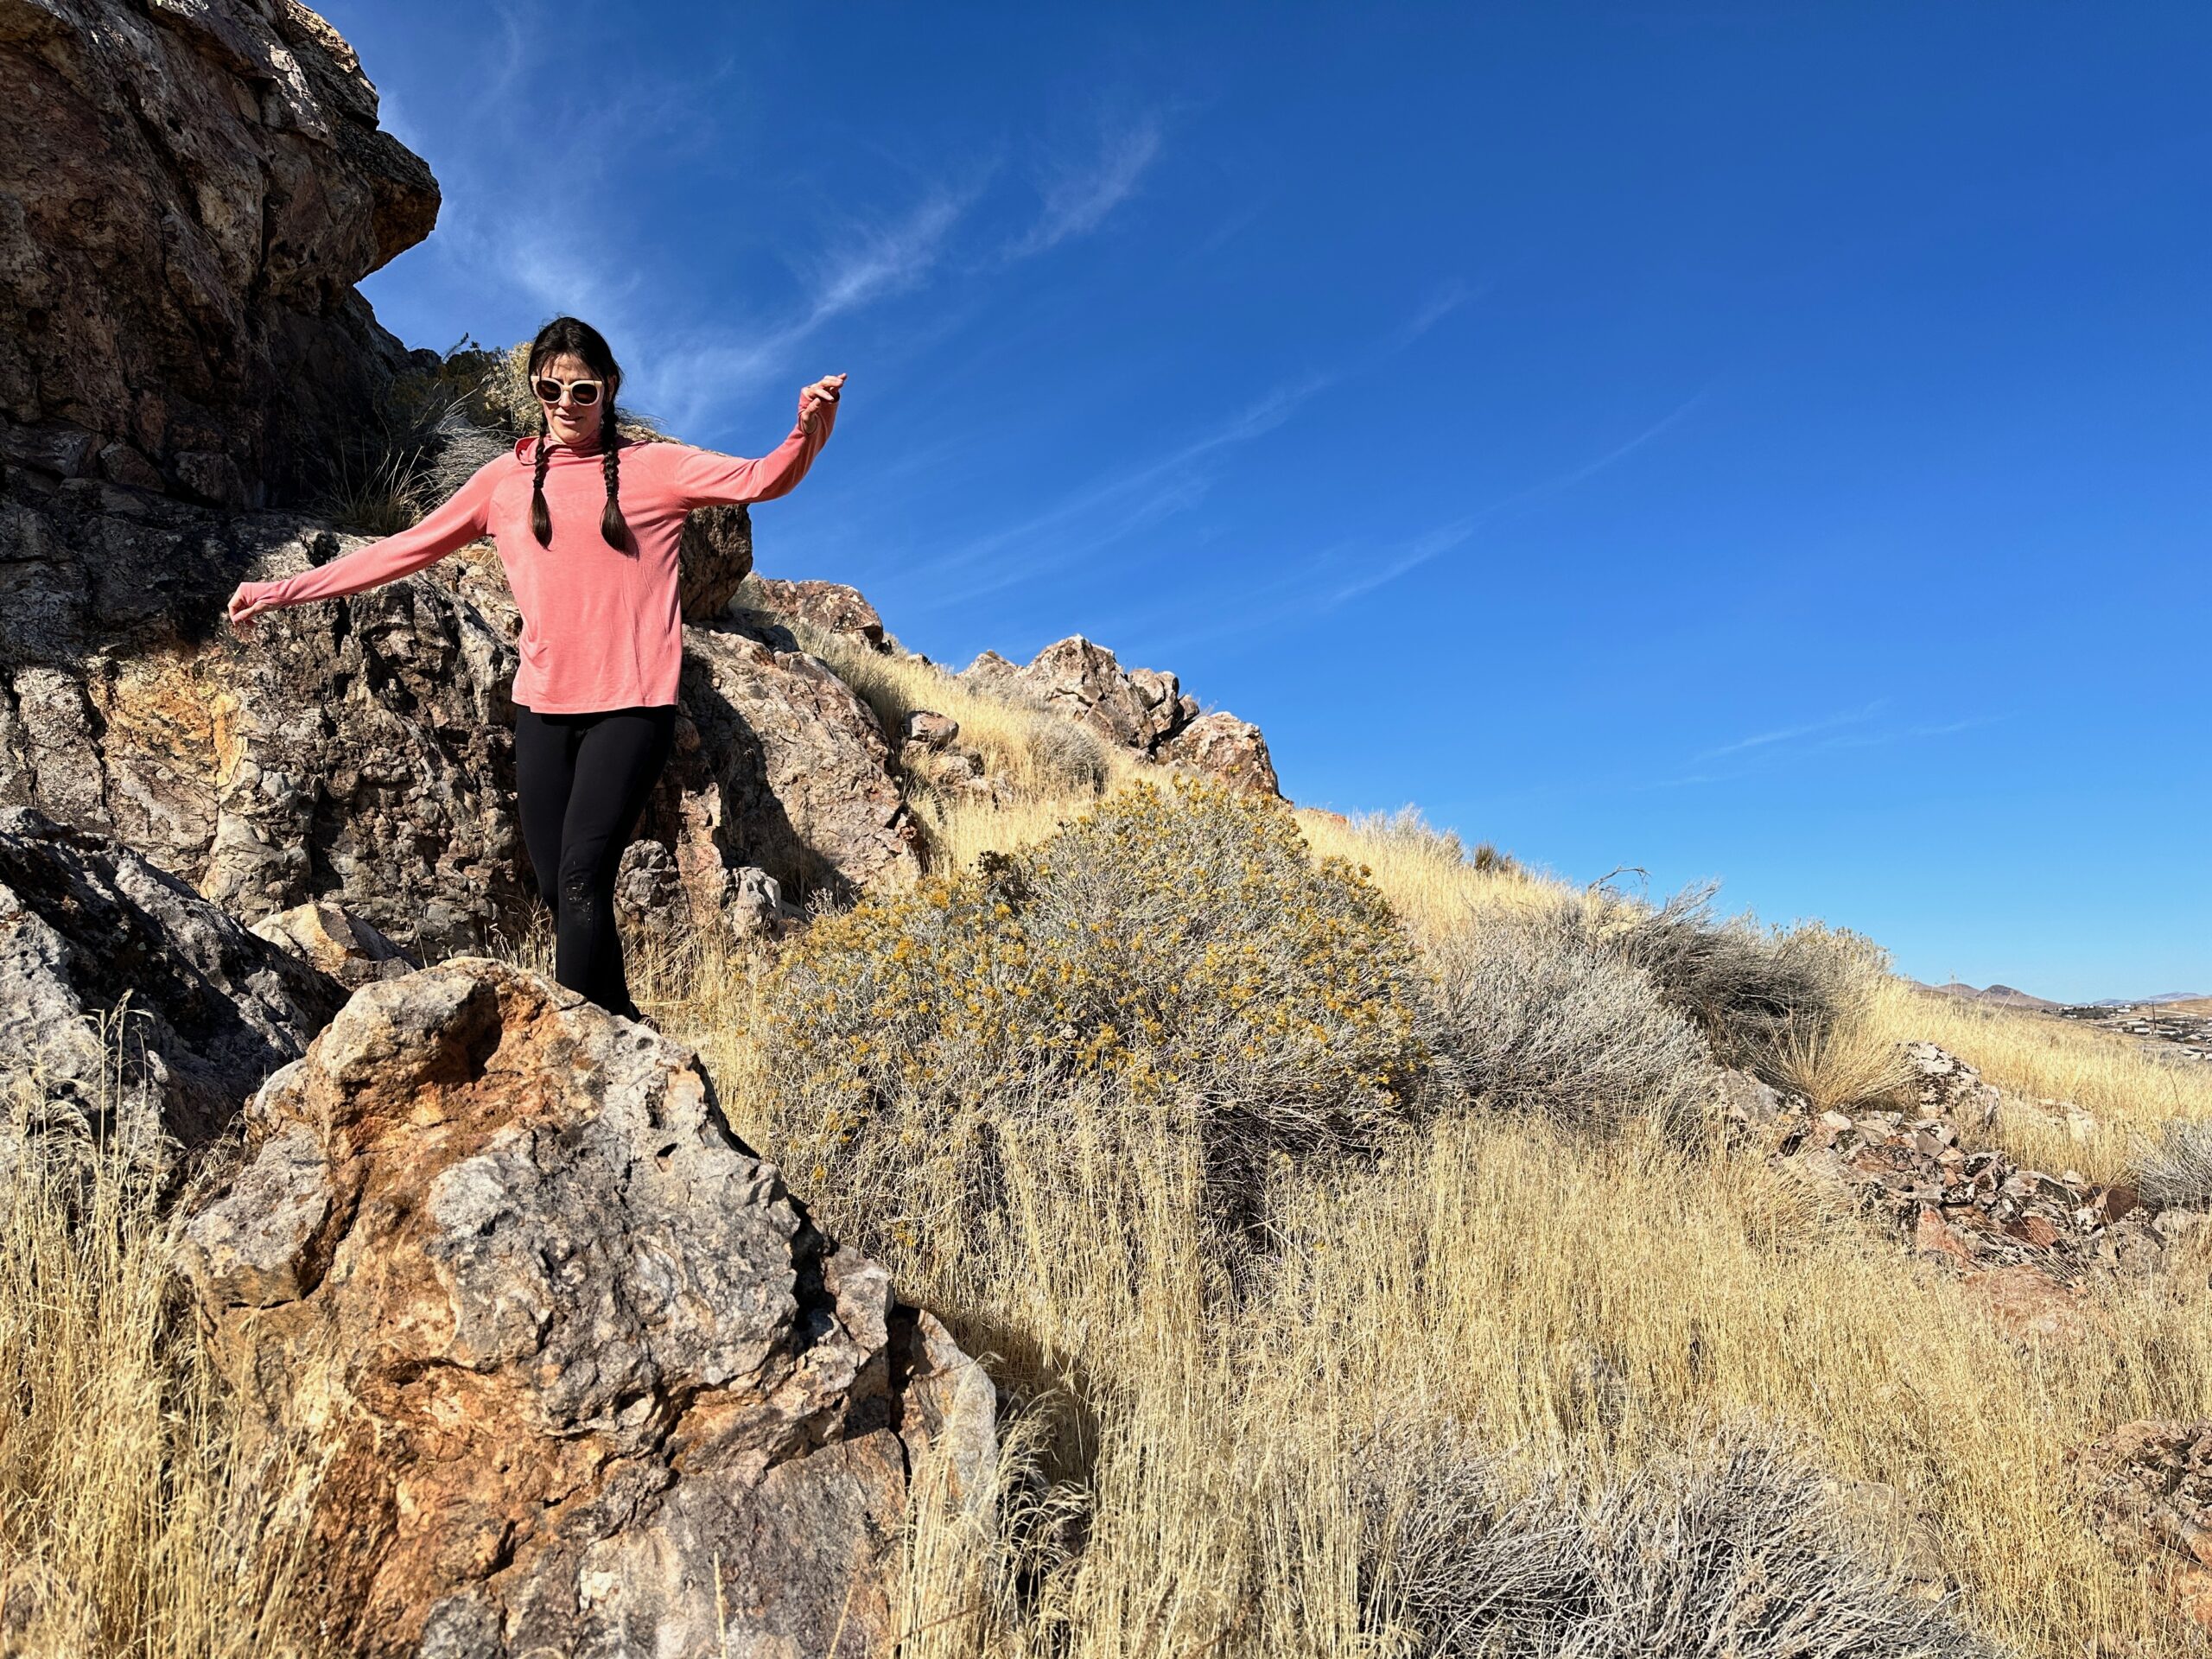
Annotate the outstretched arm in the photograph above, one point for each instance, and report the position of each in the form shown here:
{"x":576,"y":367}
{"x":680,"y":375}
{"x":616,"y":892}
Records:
{"x":461,"y":520}
{"x":704,"y":478}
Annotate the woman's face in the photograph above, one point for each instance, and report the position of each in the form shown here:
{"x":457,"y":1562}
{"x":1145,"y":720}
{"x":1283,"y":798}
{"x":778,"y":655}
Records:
{"x":570,"y":423}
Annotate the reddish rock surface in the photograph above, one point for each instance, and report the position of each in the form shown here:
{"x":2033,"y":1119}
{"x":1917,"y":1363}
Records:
{"x":587,"y":1379}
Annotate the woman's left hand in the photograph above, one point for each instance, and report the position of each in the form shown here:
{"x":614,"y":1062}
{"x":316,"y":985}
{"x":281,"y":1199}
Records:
{"x":819,"y":395}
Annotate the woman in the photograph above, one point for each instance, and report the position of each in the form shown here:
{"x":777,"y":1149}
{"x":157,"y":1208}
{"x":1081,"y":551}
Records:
{"x":588,"y":528}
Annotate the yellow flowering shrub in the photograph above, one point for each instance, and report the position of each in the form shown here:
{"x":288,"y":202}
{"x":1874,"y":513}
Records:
{"x":1178,"y":952}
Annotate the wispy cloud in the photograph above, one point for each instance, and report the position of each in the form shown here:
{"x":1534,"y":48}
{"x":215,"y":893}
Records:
{"x":1794,"y":734}
{"x":1853,"y":728}
{"x":1078,"y":198}
{"x":710,"y":369}
{"x":1445,"y":537}
{"x":688,"y":373}
{"x":1172,"y":480}
{"x":1108,"y":508}
{"x":1418,"y":551}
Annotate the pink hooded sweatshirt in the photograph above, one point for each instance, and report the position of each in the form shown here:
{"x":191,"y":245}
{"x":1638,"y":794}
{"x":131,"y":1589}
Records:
{"x":600,"y":627}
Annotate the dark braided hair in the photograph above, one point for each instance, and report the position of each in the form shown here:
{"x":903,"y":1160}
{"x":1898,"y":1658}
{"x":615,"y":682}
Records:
{"x":580,"y":339}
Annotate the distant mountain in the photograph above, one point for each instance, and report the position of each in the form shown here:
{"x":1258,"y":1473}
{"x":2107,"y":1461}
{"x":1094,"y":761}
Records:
{"x":2005,"y":995}
{"x":2148,"y":1001}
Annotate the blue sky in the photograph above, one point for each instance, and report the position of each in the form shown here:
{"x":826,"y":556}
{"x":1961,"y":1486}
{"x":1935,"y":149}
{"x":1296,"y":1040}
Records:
{"x":1755,"y":441}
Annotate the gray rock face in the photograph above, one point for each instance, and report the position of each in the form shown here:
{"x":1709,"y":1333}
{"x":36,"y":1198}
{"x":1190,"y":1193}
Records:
{"x":790,"y":772}
{"x":89,"y":928}
{"x":600,"y":1386}
{"x":189,"y":190}
{"x":714,"y":559}
{"x":362,"y":750}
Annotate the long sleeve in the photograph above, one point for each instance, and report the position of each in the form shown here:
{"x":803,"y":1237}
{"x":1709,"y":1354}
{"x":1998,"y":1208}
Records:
{"x":460,"y":520}
{"x":704,"y":478}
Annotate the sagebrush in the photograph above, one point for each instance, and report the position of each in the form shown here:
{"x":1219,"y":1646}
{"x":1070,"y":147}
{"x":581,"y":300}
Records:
{"x":1178,"y":950}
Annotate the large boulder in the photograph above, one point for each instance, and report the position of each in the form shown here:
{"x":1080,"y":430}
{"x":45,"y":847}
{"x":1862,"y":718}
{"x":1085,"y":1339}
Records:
{"x":360,"y":750}
{"x":128,"y":1000}
{"x":1226,"y":748}
{"x":189,"y":190}
{"x":586,"y":1379}
{"x":713,"y":559}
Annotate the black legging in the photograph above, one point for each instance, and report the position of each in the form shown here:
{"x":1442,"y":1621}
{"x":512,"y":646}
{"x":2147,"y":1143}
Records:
{"x":582,"y":780}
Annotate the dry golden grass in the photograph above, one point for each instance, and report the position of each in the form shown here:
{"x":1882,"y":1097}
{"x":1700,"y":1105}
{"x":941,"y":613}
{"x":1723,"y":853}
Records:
{"x":2122,"y":1083}
{"x":130,"y":1523}
{"x":1575,"y":1306}
{"x":1428,"y":881}
{"x":1584,"y":1307}
{"x":1184,"y":1453}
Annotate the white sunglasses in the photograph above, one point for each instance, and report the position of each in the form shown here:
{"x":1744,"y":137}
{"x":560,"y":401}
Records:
{"x":583,"y":393}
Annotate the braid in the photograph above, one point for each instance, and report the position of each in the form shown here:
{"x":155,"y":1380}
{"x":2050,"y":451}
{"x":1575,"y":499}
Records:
{"x":541,"y":522}
{"x":611,"y":525}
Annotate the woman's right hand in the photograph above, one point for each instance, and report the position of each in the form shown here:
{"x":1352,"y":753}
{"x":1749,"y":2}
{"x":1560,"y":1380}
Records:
{"x":246,"y":604}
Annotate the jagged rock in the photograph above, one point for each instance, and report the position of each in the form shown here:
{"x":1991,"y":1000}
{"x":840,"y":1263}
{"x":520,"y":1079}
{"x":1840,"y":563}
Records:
{"x":1084,"y":682}
{"x":757,"y":908}
{"x":361,"y":749}
{"x":188,"y":192}
{"x":91,"y":933}
{"x":2148,"y":1485}
{"x":1946,"y":1085}
{"x":791,"y":774}
{"x":342,"y":945}
{"x":1143,"y":709}
{"x":594,"y":1384}
{"x":826,"y":606}
{"x":1750,"y":1103}
{"x":716,"y":555}
{"x":649,"y":902}
{"x":931,"y":730}
{"x":1227,"y":748}
{"x":2024,"y":1241}
{"x":928,"y":755}
{"x":994,"y":674}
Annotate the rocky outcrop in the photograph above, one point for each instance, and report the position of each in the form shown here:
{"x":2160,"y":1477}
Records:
{"x":782,"y":768}
{"x":106,"y":960}
{"x":188,"y":192}
{"x":2148,"y":1489}
{"x":1141,"y":709}
{"x":344,"y":946}
{"x":362,"y":750}
{"x":1226,"y":748}
{"x":713,"y":559}
{"x":587,"y":1379}
{"x":2024,"y":1241}
{"x":359,"y":750}
{"x":930,"y":750}
{"x":826,"y":606}
{"x":1138,"y":709}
